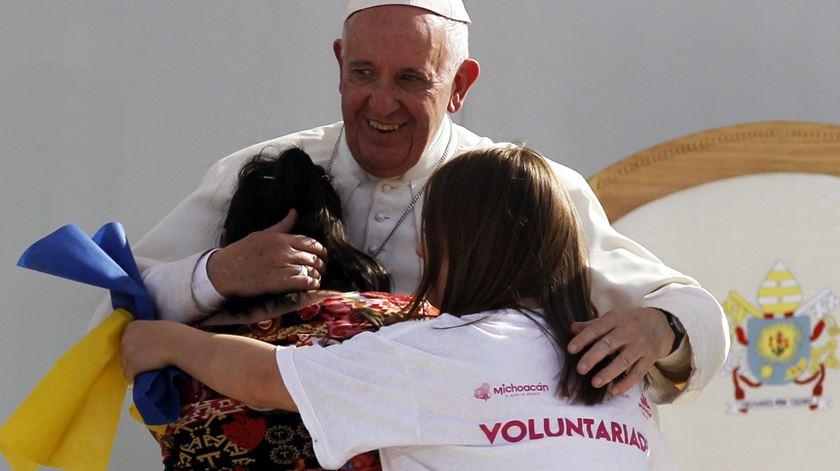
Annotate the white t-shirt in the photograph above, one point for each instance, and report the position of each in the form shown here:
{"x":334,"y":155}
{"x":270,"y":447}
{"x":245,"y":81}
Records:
{"x":443,"y":395}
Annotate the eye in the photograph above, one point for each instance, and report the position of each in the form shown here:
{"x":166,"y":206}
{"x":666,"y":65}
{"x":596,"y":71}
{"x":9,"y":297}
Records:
{"x":361,"y":74}
{"x":413,"y":82}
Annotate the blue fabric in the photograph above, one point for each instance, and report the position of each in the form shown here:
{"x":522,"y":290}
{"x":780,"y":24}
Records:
{"x":106,"y":261}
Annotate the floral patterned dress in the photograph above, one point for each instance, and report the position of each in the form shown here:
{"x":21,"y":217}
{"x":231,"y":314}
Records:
{"x":219,"y":433}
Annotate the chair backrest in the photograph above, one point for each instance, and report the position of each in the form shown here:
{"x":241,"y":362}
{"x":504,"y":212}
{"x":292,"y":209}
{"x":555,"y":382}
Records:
{"x":753,"y":212}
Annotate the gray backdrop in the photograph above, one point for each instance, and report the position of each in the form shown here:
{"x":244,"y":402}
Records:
{"x":112,"y":110}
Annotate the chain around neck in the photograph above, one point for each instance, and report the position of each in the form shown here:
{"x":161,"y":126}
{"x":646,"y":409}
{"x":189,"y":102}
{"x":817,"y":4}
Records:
{"x":408,"y":209}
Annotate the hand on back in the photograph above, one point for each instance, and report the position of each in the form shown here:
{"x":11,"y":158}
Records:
{"x":268,"y":261}
{"x":637,"y":337}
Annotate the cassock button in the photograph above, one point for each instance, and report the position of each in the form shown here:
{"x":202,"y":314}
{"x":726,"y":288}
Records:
{"x":387,"y":188}
{"x":380,"y":217}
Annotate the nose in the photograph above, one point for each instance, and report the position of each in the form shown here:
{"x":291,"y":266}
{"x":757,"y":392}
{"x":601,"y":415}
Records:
{"x":384,"y":99}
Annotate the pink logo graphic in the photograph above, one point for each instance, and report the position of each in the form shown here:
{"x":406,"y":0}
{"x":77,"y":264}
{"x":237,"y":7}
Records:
{"x":644,"y":406}
{"x":483,"y":392}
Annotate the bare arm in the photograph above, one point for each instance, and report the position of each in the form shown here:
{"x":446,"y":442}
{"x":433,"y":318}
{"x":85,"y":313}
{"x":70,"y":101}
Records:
{"x":238,"y":367}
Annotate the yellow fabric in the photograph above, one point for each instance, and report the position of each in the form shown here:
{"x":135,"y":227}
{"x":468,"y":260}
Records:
{"x":135,"y":414}
{"x":70,"y":419}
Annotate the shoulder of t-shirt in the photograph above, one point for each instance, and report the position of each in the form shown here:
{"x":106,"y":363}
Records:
{"x":410,"y":328}
{"x":449,"y":322}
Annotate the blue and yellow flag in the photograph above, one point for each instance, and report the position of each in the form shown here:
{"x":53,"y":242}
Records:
{"x":70,"y":419}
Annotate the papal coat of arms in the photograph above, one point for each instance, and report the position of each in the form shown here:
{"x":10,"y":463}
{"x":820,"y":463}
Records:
{"x":782,"y":342}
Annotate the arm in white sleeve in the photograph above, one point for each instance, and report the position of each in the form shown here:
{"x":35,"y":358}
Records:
{"x":174,"y":280}
{"x":167,"y":255}
{"x":205,"y":296}
{"x":625,"y":275}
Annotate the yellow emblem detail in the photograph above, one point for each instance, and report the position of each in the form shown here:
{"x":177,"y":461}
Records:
{"x":766,"y":371}
{"x":796,"y":370}
{"x":827,"y":355}
{"x":778,"y":342}
{"x":738,"y":308}
{"x":779,"y":293}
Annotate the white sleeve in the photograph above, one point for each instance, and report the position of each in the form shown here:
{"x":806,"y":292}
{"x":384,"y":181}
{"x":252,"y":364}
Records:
{"x":206,"y":298}
{"x":167,"y":254}
{"x":353,"y":397}
{"x":169,"y":284}
{"x":170,"y":250}
{"x":624,"y":275}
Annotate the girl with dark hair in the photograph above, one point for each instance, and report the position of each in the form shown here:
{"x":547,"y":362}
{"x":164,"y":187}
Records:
{"x":216,"y":432}
{"x":488,"y":384}
{"x":270,"y":187}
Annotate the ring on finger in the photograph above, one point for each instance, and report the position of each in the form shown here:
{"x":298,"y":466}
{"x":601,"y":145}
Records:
{"x":304,"y":271}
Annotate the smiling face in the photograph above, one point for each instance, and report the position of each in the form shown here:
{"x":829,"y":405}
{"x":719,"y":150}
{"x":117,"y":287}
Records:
{"x":397,"y":83}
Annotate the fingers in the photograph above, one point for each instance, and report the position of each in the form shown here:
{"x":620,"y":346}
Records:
{"x":622,"y":363}
{"x":604,"y":347}
{"x":626,"y":369}
{"x":265,"y":261}
{"x":132,"y":345}
{"x":308,"y":245}
{"x":298,"y":242}
{"x":577,"y":327}
{"x":309,"y":272}
{"x":634,"y":338}
{"x":588,"y":332}
{"x":300,"y":283}
{"x":309,"y":254}
{"x":292,"y":277}
{"x":301,"y":270}
{"x":635,"y":376}
{"x":313,"y":263}
{"x":128,"y":370}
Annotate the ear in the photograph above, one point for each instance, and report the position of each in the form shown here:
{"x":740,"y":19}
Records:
{"x":338,"y":57}
{"x":464,"y":79}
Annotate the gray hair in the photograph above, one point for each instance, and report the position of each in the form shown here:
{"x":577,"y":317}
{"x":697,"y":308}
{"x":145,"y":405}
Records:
{"x":457,"y":40}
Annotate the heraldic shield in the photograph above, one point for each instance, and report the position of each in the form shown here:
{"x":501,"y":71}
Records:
{"x":780,"y":348}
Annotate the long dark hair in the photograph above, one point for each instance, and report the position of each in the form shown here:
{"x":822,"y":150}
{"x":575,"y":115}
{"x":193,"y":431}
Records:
{"x":501,"y":225}
{"x":268,"y":188}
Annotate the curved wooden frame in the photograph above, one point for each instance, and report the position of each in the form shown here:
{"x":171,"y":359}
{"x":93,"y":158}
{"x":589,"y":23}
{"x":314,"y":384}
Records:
{"x":731,"y":151}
